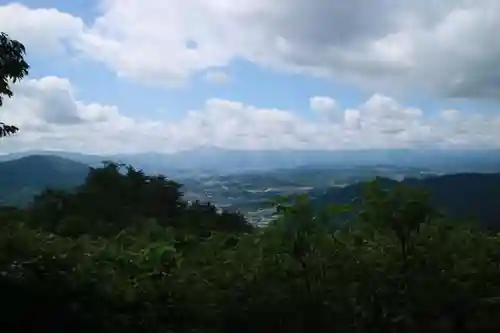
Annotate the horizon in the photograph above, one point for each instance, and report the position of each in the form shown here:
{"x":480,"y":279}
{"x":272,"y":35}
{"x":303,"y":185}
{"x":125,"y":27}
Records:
{"x":249,"y":150}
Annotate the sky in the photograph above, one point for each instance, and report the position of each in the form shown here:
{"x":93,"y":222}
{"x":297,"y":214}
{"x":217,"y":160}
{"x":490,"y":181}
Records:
{"x":127,"y":76}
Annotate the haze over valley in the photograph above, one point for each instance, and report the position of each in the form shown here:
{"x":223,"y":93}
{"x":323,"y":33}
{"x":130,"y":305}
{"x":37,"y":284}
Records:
{"x":248,"y":181}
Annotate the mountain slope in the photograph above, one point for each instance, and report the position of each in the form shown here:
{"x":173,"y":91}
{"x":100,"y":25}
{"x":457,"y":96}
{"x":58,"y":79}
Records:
{"x":20,"y":179}
{"x":461,"y":196}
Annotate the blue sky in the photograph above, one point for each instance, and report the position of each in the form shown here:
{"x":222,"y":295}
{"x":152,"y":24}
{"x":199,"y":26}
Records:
{"x":259,"y":74}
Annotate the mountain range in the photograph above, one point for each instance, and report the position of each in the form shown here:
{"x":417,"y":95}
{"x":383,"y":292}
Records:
{"x":217,"y":161}
{"x":464,"y":194}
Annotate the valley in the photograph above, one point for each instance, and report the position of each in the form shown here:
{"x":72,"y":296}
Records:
{"x":251,"y":191}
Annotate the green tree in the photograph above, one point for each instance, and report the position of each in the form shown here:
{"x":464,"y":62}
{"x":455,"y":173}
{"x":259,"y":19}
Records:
{"x":117,"y":197}
{"x":401,"y":209}
{"x":13,"y":68}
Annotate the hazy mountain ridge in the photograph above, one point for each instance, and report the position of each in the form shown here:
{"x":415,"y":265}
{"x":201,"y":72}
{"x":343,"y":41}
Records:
{"x":250,"y":191}
{"x":217,"y":161}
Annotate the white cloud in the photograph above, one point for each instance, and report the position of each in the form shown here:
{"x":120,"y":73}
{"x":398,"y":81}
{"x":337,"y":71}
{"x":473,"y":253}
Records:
{"x":44,"y":30}
{"x":217,"y":77}
{"x":51,"y":116}
{"x":352,"y":119}
{"x":325,"y":106}
{"x":448,"y":47}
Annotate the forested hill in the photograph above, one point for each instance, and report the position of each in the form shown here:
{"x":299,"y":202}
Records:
{"x":22,"y":178}
{"x":41,"y":170}
{"x":461,"y":196}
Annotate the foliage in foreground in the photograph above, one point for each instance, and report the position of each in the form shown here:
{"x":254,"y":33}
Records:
{"x":125,"y":253}
{"x":13,"y":68}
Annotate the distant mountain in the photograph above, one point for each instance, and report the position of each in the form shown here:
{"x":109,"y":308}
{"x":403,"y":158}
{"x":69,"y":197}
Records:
{"x":461,"y":196}
{"x":216,"y":161}
{"x":78,"y":157}
{"x":22,"y":178}
{"x":237,"y":161}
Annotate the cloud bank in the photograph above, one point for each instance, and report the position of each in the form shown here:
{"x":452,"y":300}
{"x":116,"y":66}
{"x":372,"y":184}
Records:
{"x":448,"y":47}
{"x":52,"y":117}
